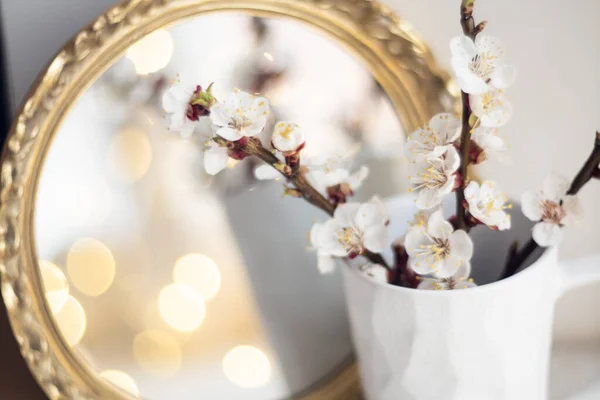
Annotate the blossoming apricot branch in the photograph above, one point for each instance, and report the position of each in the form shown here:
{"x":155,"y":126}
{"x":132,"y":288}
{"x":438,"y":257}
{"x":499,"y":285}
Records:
{"x":354,"y":229}
{"x":435,"y":253}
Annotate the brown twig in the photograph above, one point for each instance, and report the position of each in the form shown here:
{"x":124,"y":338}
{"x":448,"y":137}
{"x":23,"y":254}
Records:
{"x":471,"y":30}
{"x":516,"y":259}
{"x":296,"y":178}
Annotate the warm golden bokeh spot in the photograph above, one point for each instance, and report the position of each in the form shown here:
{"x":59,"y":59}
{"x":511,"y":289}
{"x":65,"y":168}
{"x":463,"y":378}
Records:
{"x":129,"y":155}
{"x":181,"y":307}
{"x":247,"y":366}
{"x":56,"y":285}
{"x":71,"y":321}
{"x":91,"y":266}
{"x":200,"y":272}
{"x":121,"y":380}
{"x":157,"y":352}
{"x":152,"y":53}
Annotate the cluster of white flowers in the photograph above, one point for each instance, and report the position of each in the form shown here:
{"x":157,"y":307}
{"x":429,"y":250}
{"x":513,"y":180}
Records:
{"x":552,"y":208}
{"x":354,"y":229}
{"x":434,"y":248}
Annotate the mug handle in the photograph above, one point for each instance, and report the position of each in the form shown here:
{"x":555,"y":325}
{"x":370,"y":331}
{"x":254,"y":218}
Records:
{"x":573,"y":274}
{"x":578,"y":272}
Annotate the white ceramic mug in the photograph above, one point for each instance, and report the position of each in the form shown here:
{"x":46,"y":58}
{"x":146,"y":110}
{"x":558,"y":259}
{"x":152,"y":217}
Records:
{"x":485,"y":343}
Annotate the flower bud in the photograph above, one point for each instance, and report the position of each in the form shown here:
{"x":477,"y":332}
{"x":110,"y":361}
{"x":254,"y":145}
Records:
{"x":200,"y":103}
{"x":287,"y":137}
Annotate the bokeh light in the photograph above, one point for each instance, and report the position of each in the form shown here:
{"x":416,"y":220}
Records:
{"x":200,"y":272}
{"x":121,"y":380}
{"x":247,"y":366}
{"x":56,"y":285}
{"x":71,"y":321}
{"x":181,"y":307}
{"x":91,"y":266}
{"x":157,"y":352}
{"x":129,"y":155}
{"x":152,"y":53}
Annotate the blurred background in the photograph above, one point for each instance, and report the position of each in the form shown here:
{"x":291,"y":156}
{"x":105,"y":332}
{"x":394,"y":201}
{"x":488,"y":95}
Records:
{"x":556,"y":101}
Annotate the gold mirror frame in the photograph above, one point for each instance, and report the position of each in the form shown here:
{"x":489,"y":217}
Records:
{"x":393,"y":53}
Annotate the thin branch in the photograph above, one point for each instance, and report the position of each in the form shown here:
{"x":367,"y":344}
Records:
{"x":588,"y":171}
{"x":516,"y":259}
{"x":469,"y":29}
{"x":309,"y":193}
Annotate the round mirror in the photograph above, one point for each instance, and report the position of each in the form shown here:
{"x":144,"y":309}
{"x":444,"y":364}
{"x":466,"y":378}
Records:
{"x":168,"y":282}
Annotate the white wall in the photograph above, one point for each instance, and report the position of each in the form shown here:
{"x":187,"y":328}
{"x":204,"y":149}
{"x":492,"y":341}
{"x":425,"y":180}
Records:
{"x":554,"y":44}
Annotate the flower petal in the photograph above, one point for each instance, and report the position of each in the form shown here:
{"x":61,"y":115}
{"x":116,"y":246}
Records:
{"x":447,"y":267}
{"x":438,"y":227}
{"x":314,"y":235}
{"x":446,"y":126}
{"x":420,"y":266}
{"x":325,"y":263}
{"x":573,"y":209}
{"x":346,"y":212}
{"x":463,"y":49}
{"x":472,"y":194}
{"x":428,"y":198}
{"x":219,"y":115}
{"x":415,"y":238}
{"x":329,"y":240}
{"x":266,"y":172}
{"x":461,"y":245}
{"x":503,"y":76}
{"x":452,"y":160}
{"x":490,"y":45}
{"x":375,"y":238}
{"x":493,"y":109}
{"x":255,"y":128}
{"x":215,"y":159}
{"x":555,"y":187}
{"x":530,"y":205}
{"x":356,"y":179}
{"x":229,"y":133}
{"x":175,"y":99}
{"x":463,"y":272}
{"x":428,"y":284}
{"x":470,"y":83}
{"x":373,"y":213}
{"x":547,"y":234}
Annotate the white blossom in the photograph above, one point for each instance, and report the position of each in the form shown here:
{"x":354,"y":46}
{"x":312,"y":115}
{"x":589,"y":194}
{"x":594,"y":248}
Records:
{"x":479,"y":65}
{"x":321,"y":179}
{"x":176,"y":103}
{"x":487,"y":204}
{"x":377,"y":272}
{"x":553,"y":209}
{"x":434,"y":178}
{"x":239,"y":115}
{"x":353,"y":229}
{"x":215,"y":157}
{"x":493,"y":146}
{"x":438,"y":249}
{"x":492,"y":108}
{"x":287,"y":136}
{"x":435,"y":138}
{"x":460,"y":280}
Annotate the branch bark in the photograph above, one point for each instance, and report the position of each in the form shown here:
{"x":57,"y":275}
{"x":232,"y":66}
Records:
{"x":469,"y":29}
{"x":309,"y":193}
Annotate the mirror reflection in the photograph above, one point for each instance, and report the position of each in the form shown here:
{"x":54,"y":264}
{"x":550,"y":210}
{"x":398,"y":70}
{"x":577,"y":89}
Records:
{"x":174,"y":284}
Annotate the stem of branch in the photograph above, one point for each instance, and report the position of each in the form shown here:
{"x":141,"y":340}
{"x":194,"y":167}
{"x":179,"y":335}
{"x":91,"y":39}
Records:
{"x":469,"y":29}
{"x":585,"y":174}
{"x":465,"y":141}
{"x":309,"y":193}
